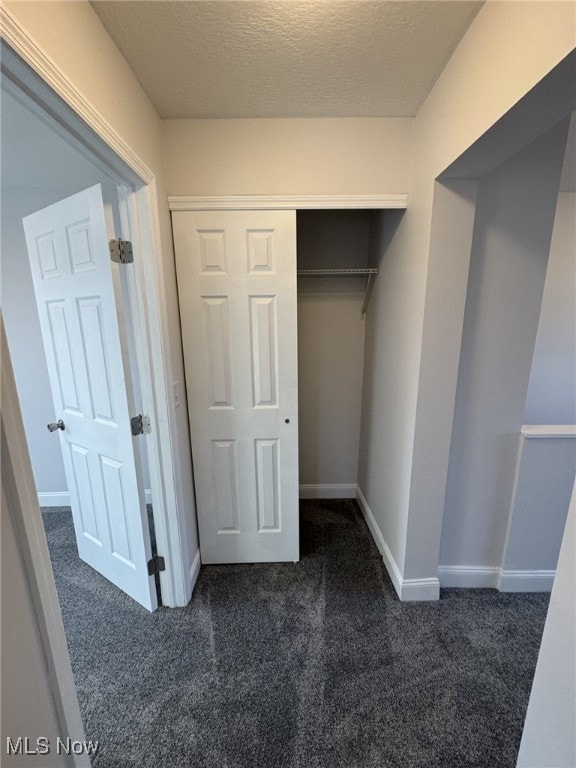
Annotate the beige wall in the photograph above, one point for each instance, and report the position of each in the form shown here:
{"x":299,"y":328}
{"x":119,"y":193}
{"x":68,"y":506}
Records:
{"x":35,"y":666}
{"x":415,"y":338}
{"x":330,"y":364}
{"x":28,"y":708}
{"x":328,"y":156}
{"x":330,"y":348}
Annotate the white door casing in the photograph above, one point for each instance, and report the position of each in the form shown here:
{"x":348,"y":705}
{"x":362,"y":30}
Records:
{"x":237,"y":293}
{"x":77,"y":288}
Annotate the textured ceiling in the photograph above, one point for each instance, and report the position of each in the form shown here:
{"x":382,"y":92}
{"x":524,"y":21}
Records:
{"x":286,"y":58}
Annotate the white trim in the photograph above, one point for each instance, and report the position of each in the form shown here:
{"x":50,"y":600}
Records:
{"x":171,"y":525}
{"x":408,"y":590}
{"x":416,"y":590}
{"x":195,"y":571}
{"x":469,"y":576}
{"x":377,"y":536}
{"x":62,"y":498}
{"x":281,"y":202}
{"x":22,"y":505}
{"x":329,"y":491}
{"x":54,"y":499}
{"x":156,"y":389}
{"x":510,"y":522}
{"x":526,"y":581}
{"x":387,"y":556}
{"x":26,"y":47}
{"x":493,"y":577}
{"x":548,"y":431}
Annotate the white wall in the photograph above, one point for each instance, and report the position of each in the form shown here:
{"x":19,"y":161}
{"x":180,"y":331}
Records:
{"x":330,"y":349}
{"x":301,"y":156}
{"x":551,"y":395}
{"x":409,"y":394}
{"x":549,"y":737}
{"x":513,"y":227}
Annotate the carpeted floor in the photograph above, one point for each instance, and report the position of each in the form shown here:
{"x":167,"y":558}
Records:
{"x":308,"y":665}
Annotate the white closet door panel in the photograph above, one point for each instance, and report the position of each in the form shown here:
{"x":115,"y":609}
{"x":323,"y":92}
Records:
{"x":237,"y":293}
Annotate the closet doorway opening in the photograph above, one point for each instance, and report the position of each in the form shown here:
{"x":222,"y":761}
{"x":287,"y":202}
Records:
{"x":337,"y":258}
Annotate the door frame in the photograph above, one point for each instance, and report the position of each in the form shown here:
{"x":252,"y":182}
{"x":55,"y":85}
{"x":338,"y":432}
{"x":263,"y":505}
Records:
{"x":30,"y":75}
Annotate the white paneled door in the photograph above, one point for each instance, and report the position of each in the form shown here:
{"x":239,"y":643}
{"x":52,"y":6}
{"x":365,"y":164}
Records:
{"x":237,"y":290}
{"x":76,"y":287}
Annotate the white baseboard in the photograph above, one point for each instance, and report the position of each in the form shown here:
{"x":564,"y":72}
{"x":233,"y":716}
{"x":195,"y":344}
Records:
{"x":469,"y":577}
{"x":493,"y":577}
{"x":526,"y":581}
{"x":329,"y":491}
{"x":414,"y":590}
{"x":194,"y":571}
{"x":54,"y":499}
{"x":408,"y":590}
{"x":62,"y":498}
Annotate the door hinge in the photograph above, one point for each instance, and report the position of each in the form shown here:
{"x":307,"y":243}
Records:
{"x":140,"y":425}
{"x":121,"y":251}
{"x":155,"y":565}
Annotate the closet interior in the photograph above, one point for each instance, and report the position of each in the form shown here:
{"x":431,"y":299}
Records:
{"x":336,"y":273}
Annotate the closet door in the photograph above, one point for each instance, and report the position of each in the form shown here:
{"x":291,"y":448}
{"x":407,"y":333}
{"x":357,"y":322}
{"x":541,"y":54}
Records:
{"x":237,"y":292}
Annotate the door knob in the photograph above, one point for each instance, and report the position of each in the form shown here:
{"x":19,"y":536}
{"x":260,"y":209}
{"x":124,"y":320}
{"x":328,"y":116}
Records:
{"x":54,"y":425}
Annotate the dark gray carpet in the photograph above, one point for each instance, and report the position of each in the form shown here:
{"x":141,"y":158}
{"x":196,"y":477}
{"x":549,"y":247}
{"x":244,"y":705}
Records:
{"x":308,"y":665}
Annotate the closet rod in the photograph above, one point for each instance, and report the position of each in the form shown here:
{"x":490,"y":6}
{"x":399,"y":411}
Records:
{"x":336,"y":272}
{"x":369,"y":274}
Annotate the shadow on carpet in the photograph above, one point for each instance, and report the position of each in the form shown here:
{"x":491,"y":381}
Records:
{"x":309,"y":665}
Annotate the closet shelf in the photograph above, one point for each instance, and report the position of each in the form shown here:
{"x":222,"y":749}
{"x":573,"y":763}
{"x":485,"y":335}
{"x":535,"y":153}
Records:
{"x":369,"y":274}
